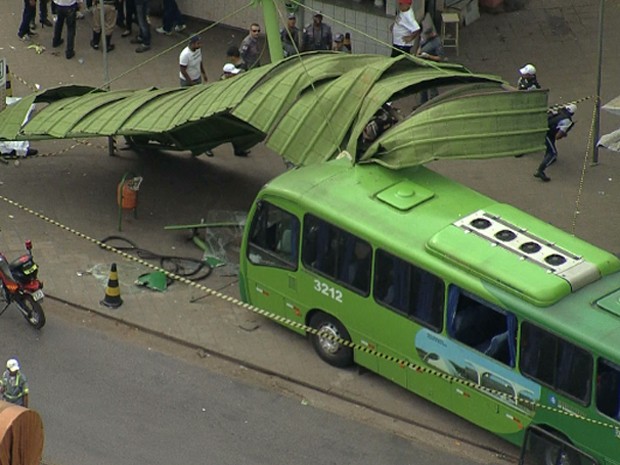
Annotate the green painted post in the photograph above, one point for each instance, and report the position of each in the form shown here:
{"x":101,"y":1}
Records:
{"x":272,"y":29}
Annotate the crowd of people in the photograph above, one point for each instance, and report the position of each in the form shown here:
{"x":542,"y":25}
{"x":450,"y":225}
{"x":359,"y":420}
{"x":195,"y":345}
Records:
{"x":408,"y":37}
{"x":124,"y":14}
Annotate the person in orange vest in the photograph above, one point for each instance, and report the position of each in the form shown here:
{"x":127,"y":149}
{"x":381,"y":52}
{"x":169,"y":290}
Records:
{"x":14,"y":385}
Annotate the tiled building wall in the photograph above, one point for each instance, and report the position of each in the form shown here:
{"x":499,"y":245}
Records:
{"x":367,"y":23}
{"x":236,"y":13}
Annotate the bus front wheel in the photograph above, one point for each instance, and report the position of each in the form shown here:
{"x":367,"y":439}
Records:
{"x":327,"y":340}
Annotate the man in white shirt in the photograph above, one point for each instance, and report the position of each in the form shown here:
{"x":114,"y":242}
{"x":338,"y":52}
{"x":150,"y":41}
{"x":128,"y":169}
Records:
{"x":190,"y":62}
{"x":405,"y":29}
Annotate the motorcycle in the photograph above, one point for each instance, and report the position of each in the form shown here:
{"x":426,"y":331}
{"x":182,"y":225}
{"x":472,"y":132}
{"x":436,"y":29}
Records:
{"x":21,"y":287}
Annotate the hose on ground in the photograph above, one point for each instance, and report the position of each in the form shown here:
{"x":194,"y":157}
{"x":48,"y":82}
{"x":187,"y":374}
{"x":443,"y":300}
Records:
{"x":197,"y":271}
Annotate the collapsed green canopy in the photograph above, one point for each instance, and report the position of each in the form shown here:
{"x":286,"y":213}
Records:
{"x":308,"y":108}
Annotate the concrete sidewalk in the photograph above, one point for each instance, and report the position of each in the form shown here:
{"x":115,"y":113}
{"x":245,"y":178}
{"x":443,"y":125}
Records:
{"x":77,"y":188}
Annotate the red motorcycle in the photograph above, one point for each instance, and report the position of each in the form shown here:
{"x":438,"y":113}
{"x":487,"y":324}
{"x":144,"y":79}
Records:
{"x":21,"y":287}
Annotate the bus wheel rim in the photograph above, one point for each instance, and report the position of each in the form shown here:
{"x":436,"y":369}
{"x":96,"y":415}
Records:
{"x":328,"y":345}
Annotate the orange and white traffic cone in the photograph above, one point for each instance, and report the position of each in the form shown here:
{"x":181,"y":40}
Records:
{"x":112,"y":297}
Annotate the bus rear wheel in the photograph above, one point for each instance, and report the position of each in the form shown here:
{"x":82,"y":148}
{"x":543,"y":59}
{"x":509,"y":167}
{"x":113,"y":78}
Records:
{"x":326,"y":343}
{"x":554,"y":455}
{"x":556,"y":451}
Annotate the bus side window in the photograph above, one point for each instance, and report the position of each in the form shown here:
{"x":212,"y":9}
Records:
{"x":482,"y":327}
{"x":556,"y":362}
{"x":385,"y":286}
{"x":425,"y":296}
{"x":410,"y":290}
{"x":320,"y":245}
{"x":327,"y":250}
{"x":285,"y":245}
{"x":337,"y":254}
{"x":538,"y":351}
{"x":309,"y":243}
{"x":274,"y":237}
{"x":355,"y":265}
{"x":574,"y":371}
{"x":608,"y":389}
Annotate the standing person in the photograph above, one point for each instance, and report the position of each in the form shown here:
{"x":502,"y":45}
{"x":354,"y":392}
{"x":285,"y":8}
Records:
{"x":120,"y":14}
{"x":347,"y":42}
{"x":30,"y":10}
{"x":430,"y":48}
{"x":144,"y":37}
{"x":233,"y":56}
{"x":250,"y":47}
{"x":230,"y":71}
{"x":172,"y":18}
{"x":14,"y":385}
{"x":44,"y":15}
{"x":339,"y":45}
{"x":130,"y":16}
{"x":289,"y":36}
{"x":404,"y":29}
{"x":192,"y":71}
{"x":527,"y":78}
{"x":559,"y":123}
{"x":109,"y":17}
{"x":66,"y":11}
{"x":318,"y":35}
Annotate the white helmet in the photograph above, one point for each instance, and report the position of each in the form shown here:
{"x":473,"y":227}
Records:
{"x":571,"y":107}
{"x":529,"y":69}
{"x":12,"y":365}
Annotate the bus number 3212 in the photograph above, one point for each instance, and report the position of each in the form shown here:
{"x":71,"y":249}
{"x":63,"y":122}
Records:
{"x":328,"y":290}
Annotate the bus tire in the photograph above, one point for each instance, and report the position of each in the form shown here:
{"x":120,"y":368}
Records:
{"x":333,"y":352}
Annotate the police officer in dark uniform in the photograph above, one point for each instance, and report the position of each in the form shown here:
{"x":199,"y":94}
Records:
{"x":527,"y":79}
{"x":559,"y":122}
{"x":289,"y":36}
{"x":318,"y":35}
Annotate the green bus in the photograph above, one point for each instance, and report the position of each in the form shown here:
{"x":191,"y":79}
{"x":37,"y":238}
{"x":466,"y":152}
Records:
{"x":520,"y":320}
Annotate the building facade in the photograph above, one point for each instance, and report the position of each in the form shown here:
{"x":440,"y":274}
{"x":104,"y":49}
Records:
{"x":368,"y":21}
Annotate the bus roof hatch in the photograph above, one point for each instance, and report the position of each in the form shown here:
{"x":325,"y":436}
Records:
{"x":404,"y":195}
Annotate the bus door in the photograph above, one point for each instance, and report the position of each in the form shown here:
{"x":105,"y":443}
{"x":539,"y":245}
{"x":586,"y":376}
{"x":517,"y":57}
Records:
{"x":272,"y":261}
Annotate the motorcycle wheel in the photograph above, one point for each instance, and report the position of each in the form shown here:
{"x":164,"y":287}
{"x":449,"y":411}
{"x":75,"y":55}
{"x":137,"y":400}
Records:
{"x":32,"y":311}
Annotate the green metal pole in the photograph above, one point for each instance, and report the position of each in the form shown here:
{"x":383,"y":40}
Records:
{"x":272,"y":29}
{"x":106,"y":69}
{"x":597,"y":115}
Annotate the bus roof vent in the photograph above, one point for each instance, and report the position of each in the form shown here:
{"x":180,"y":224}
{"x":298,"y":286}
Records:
{"x":528,"y":246}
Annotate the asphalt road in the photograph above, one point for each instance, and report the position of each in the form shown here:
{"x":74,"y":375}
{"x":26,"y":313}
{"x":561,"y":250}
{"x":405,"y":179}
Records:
{"x":110,"y":395}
